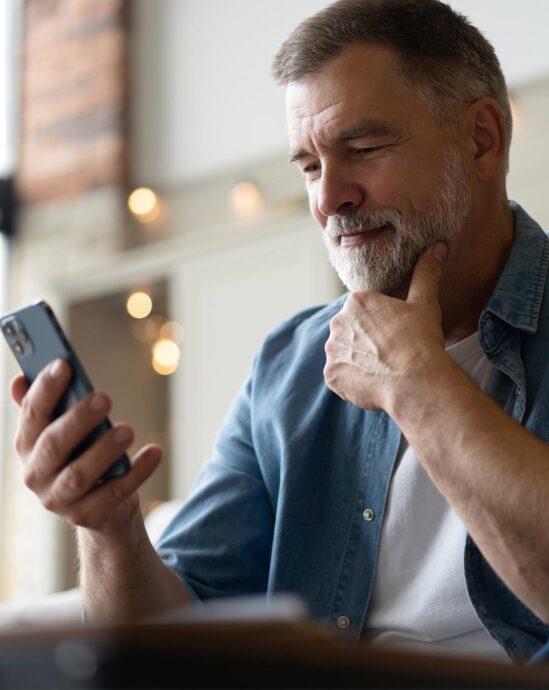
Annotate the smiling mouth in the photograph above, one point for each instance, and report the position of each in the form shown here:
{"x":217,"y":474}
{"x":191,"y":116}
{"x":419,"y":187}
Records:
{"x":354,"y":239}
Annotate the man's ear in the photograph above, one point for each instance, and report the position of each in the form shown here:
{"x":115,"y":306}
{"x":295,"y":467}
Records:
{"x":486,"y":132}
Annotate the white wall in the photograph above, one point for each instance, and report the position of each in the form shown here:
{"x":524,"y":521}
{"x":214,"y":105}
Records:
{"x":518,"y":32}
{"x":528,"y":180}
{"x":203,"y":95}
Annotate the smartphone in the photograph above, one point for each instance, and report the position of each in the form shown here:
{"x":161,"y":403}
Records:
{"x":36,"y":339}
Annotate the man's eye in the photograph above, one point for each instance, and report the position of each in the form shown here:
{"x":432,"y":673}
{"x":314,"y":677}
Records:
{"x":310,"y":169}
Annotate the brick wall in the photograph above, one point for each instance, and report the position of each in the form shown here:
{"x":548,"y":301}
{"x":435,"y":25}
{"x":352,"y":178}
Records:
{"x":74,"y":100}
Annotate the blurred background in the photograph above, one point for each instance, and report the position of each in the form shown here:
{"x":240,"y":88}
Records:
{"x":145,"y":194}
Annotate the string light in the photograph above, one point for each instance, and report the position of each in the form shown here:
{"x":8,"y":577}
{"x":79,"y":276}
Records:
{"x":246,"y":199}
{"x":165,"y":356}
{"x":144,"y":204}
{"x":139,"y":305}
{"x":172,"y":330}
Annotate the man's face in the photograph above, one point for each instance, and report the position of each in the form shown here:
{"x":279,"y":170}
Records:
{"x":383,"y":182}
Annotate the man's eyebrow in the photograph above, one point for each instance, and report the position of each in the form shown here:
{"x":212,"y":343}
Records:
{"x":370,"y":128}
{"x":298,"y":155}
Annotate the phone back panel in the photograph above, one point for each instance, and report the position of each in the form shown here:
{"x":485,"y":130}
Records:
{"x":38,"y":340}
{"x":48,"y":342}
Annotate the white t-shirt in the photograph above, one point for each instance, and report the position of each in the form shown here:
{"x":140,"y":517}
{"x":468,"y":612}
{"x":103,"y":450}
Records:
{"x":420,"y":597}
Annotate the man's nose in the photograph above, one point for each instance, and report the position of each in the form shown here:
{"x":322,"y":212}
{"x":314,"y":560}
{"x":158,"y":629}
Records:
{"x":338,"y":193}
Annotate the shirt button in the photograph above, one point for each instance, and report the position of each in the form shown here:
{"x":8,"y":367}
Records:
{"x":518,"y":391}
{"x":482,"y":610}
{"x":368,"y":515}
{"x":343,"y":622}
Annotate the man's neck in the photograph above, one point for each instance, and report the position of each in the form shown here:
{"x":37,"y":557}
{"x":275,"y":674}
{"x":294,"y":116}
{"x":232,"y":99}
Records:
{"x":474,"y":265}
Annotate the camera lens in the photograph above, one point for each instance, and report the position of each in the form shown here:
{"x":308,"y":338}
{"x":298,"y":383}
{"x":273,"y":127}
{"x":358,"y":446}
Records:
{"x":18,"y":348}
{"x":8,"y":329}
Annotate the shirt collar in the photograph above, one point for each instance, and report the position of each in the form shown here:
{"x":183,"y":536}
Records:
{"x":517,"y":297}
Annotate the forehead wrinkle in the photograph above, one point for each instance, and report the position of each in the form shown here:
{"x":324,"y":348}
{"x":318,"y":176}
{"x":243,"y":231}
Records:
{"x":323,"y":126}
{"x":319,"y":120}
{"x":363,"y":129}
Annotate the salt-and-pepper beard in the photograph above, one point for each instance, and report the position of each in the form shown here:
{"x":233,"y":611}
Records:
{"x":384,"y":263}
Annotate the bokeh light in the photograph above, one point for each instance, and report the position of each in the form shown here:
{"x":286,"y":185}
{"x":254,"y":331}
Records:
{"x":172,"y":330}
{"x":515,"y":110}
{"x":246,"y":199}
{"x":139,"y":305}
{"x":165,"y":356}
{"x":144,"y":204}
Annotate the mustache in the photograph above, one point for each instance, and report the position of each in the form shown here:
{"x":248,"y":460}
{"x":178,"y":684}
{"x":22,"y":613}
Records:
{"x":360,"y":221}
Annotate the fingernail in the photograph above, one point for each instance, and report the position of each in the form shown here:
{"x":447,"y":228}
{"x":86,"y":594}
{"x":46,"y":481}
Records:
{"x":56,"y":368}
{"x":122,"y":435}
{"x":440,"y":251}
{"x":98,"y":402}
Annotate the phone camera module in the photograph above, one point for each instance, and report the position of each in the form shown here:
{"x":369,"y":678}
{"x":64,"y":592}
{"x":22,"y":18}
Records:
{"x":8,"y":328}
{"x":17,"y":336}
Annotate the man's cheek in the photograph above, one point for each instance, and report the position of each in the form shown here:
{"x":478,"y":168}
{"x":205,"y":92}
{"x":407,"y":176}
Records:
{"x":319,"y":217}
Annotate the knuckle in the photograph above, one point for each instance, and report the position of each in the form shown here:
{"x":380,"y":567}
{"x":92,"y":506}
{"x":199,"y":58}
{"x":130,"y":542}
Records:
{"x":335,"y":322}
{"x":117,"y":493}
{"x":354,"y":298}
{"x":49,"y":445}
{"x":80,"y":517}
{"x":357,"y":299}
{"x":432,"y":269}
{"x":74,"y":478}
{"x":31,"y":416}
{"x":19,"y":444}
{"x":49,"y":503}
{"x":329,"y":375}
{"x":28,"y":412}
{"x":30,"y":477}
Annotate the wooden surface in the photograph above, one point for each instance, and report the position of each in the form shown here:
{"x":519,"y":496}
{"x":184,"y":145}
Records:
{"x":233,"y":655}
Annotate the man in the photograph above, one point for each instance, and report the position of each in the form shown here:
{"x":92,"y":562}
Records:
{"x":399,"y":502}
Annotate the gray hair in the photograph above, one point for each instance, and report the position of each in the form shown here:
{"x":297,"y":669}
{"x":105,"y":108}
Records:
{"x":444,"y":59}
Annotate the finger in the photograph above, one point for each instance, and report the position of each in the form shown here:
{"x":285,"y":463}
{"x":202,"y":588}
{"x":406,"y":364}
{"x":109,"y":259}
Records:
{"x":428,"y":270}
{"x":95,"y":509}
{"x":40,"y":402}
{"x":57,"y":441}
{"x":18,"y":388}
{"x":80,"y":476}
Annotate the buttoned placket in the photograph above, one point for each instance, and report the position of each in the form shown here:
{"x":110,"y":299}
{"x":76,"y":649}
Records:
{"x":356,"y":579}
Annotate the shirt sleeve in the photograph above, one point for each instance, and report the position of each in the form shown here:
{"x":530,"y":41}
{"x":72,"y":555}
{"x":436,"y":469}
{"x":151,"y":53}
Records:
{"x":219,"y":543}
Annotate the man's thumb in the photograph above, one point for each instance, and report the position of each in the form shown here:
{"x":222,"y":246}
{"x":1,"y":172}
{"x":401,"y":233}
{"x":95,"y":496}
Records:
{"x":427,"y":273}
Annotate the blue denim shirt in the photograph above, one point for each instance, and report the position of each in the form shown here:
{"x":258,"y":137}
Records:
{"x":294,"y":496}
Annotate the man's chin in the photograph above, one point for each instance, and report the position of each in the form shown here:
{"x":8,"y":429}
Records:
{"x":360,"y":270}
{"x":391,"y":285}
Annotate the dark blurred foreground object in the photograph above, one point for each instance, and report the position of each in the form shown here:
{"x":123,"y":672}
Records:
{"x":542,"y":656}
{"x":7,"y":206}
{"x":250,"y":654}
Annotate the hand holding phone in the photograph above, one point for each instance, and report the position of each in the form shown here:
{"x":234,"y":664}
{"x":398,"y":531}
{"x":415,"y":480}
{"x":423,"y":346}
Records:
{"x":67,"y":444}
{"x":36,"y":339}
